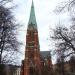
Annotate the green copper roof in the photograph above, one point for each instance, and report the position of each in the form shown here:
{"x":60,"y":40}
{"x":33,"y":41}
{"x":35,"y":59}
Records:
{"x":32,"y":19}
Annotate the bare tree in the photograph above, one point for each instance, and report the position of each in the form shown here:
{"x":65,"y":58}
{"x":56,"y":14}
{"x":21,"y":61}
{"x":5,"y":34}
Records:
{"x":8,"y":41}
{"x":72,"y":63}
{"x":60,"y":62}
{"x":63,"y":33}
{"x":65,"y":39}
{"x":68,"y":5}
{"x":3,"y":2}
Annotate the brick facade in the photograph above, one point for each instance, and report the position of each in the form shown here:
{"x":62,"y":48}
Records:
{"x":32,"y":64}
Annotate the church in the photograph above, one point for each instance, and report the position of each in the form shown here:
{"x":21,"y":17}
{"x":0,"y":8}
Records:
{"x":36,"y":62}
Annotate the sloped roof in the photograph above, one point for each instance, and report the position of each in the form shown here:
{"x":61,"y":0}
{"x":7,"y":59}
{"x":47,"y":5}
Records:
{"x":45,"y":54}
{"x":32,"y":19}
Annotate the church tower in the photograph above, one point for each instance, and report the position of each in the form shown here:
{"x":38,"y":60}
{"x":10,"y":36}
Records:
{"x":32,"y":50}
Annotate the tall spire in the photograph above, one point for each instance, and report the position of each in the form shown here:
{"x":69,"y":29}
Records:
{"x":32,"y":19}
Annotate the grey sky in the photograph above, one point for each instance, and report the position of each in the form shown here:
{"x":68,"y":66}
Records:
{"x":45,"y":18}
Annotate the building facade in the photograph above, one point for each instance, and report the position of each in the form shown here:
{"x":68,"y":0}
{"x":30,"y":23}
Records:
{"x":35,"y":60}
{"x":9,"y":69}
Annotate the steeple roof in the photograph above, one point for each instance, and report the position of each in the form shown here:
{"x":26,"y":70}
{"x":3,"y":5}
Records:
{"x":32,"y":19}
{"x":45,"y":54}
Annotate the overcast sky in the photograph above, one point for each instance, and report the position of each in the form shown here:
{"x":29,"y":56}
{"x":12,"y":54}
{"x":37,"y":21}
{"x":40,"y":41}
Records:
{"x":46,"y":19}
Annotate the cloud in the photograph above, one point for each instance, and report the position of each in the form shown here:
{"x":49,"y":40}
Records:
{"x":45,"y":17}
